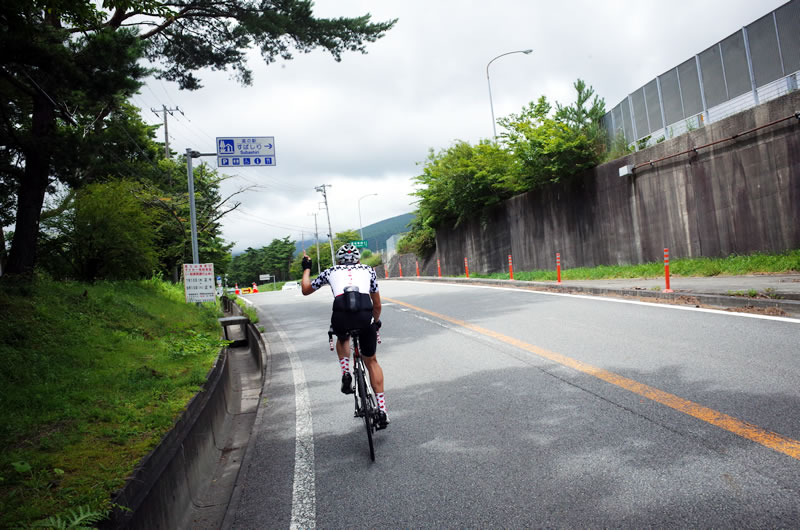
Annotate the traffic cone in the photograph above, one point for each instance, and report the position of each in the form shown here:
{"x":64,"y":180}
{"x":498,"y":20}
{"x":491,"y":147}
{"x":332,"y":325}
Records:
{"x":255,"y":288}
{"x":237,"y":291}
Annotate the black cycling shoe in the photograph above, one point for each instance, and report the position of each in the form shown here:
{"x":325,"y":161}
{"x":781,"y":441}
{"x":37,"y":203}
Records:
{"x":383,"y":421}
{"x":347,"y":383}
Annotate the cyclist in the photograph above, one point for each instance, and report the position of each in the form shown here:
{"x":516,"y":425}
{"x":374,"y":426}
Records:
{"x":362,"y":312}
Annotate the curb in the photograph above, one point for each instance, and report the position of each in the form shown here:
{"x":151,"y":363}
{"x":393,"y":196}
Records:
{"x":727,"y":302}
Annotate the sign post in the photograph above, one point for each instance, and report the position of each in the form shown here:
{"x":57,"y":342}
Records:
{"x":198,"y":282}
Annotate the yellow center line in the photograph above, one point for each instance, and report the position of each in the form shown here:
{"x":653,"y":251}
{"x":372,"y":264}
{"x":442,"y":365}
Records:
{"x":777,"y":442}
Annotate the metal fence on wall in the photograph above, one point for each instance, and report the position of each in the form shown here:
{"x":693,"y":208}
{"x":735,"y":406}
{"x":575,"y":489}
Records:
{"x":758,"y":63}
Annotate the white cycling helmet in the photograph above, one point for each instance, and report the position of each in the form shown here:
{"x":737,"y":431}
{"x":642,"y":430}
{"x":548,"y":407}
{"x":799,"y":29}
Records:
{"x":347,"y":254}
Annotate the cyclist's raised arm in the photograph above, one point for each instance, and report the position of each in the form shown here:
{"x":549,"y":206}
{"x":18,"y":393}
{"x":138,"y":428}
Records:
{"x":305,"y":283}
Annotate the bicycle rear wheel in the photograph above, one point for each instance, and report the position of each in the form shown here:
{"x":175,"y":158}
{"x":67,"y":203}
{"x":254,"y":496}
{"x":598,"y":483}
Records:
{"x":361,"y":383}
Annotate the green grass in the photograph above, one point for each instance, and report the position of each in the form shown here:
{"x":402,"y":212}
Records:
{"x":730,"y":266}
{"x":93,"y":376}
{"x":247,"y":310}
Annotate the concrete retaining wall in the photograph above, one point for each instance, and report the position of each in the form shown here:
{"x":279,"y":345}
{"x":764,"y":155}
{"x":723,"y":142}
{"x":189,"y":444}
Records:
{"x":739,"y":196}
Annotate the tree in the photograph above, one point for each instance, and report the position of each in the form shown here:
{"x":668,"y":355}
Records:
{"x":577,"y":116}
{"x":170,"y":198}
{"x":462,"y":181}
{"x":555,"y":149}
{"x":274,"y":259}
{"x":68,"y":64}
{"x":104,"y":232}
{"x":583,"y":120}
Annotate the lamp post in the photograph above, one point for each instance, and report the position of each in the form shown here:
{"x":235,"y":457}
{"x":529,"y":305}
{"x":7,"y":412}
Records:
{"x":360,"y":227}
{"x":491,"y":105}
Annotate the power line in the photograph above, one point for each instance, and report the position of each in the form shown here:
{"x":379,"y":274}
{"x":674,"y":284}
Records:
{"x":195,"y":127}
{"x":269,"y":222}
{"x":164,"y":88}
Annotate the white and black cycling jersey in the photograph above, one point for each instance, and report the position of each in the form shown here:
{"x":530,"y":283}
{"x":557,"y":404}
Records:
{"x":341,"y":276}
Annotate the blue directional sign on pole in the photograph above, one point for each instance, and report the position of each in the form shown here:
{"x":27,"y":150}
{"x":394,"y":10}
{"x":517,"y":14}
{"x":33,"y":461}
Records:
{"x":239,"y":151}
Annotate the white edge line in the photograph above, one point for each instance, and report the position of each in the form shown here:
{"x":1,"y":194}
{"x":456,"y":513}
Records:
{"x":304,"y":497}
{"x":304,"y":502}
{"x":620,"y":301}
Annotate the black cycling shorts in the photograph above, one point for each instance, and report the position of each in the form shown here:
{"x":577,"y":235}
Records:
{"x":342,"y":322}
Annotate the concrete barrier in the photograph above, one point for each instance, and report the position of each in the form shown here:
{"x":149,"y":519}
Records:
{"x":172,"y":486}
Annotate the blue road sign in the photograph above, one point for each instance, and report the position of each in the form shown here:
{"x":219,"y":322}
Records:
{"x":246,"y":151}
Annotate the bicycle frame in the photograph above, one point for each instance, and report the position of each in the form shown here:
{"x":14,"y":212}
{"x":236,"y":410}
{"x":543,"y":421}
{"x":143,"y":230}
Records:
{"x":365,"y":403}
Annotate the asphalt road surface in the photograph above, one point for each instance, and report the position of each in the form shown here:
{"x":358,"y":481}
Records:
{"x":514,"y":408}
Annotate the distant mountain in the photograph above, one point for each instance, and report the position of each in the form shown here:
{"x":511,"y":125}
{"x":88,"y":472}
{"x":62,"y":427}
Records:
{"x":377,"y":233}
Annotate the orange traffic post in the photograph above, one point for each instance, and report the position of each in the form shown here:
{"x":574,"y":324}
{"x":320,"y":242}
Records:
{"x":666,"y":271}
{"x":439,"y":267}
{"x":558,"y":266}
{"x":466,"y":267}
{"x":386,"y":270}
{"x":255,"y":287}
{"x":417,"y":269}
{"x":510,"y":268}
{"x":401,"y":268}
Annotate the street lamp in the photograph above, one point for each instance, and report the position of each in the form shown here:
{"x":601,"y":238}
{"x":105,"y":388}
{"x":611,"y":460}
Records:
{"x":360,"y":227}
{"x":526,"y":52}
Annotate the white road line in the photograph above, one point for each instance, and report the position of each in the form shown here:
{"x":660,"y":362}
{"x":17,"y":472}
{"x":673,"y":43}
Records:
{"x":304,"y":497}
{"x":621,"y":301}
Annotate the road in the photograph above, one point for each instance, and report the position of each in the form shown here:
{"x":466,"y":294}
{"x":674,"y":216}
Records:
{"x":514,"y":408}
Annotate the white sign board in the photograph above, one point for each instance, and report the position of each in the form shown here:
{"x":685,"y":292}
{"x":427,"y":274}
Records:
{"x":263,"y":277}
{"x":198,"y":282}
{"x":238,"y":151}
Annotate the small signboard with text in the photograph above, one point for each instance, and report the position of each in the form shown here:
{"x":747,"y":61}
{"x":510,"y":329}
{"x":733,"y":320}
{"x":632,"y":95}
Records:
{"x":198,"y":282}
{"x":361,"y":243}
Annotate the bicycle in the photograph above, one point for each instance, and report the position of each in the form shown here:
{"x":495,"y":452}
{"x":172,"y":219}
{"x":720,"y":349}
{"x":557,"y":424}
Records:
{"x":365,"y":404}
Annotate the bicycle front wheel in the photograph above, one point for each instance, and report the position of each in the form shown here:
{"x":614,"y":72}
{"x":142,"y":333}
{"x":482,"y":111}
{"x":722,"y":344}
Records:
{"x":361,"y":383}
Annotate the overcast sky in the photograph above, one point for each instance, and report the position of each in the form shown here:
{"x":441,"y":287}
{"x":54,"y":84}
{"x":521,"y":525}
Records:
{"x":365,"y":125}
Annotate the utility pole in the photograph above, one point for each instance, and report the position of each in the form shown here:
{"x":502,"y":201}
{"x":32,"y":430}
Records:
{"x":321,"y":189}
{"x":316,"y":239}
{"x":165,"y":110}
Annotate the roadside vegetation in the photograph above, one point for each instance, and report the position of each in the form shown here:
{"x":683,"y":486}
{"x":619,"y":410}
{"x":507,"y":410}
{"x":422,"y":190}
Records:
{"x":93,"y":377}
{"x":729,"y":266}
{"x":247,"y":310}
{"x":538,"y":147}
